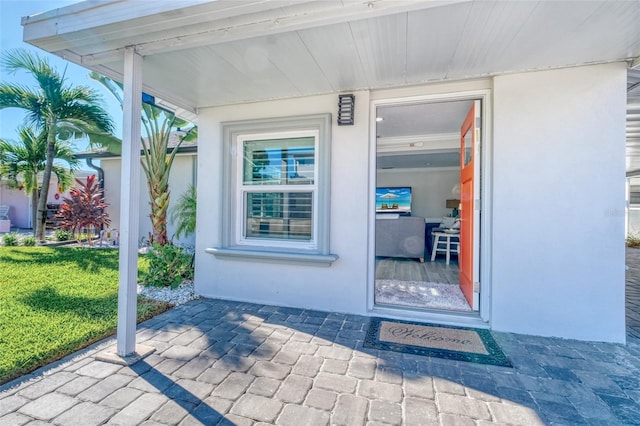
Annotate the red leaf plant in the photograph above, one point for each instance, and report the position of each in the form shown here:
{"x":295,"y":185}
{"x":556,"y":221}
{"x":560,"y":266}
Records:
{"x":84,"y":209}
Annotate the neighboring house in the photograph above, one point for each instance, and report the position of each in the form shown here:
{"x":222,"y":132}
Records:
{"x":183,"y":174}
{"x":20,"y":203}
{"x":516,"y":109}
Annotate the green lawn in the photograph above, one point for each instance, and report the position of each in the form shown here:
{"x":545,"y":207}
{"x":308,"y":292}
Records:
{"x":54,"y":301}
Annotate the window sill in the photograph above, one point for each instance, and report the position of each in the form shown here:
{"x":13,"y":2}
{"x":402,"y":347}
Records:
{"x":274,"y":256}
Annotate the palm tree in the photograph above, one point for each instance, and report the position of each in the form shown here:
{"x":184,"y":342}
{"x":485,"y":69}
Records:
{"x":158,"y":155}
{"x":58,"y":109}
{"x":157,"y":161}
{"x":24,"y":161}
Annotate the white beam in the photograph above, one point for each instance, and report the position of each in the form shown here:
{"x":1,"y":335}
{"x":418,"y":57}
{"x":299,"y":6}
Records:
{"x":129,"y":203}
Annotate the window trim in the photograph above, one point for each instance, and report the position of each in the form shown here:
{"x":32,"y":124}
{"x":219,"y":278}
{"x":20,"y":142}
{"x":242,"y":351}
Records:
{"x":241,"y":206}
{"x":230,"y":246}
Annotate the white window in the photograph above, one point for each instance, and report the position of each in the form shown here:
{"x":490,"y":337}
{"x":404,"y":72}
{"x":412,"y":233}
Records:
{"x":277,"y":191}
{"x":276,"y":194}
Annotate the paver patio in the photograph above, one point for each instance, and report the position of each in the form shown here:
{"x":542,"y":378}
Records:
{"x":221,"y":362}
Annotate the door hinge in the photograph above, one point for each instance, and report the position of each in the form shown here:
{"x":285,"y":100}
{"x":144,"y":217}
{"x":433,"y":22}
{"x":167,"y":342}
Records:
{"x":476,"y":287}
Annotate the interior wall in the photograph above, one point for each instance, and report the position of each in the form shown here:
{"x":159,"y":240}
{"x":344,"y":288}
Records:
{"x":431,"y":187}
{"x":557,"y":258}
{"x":282,"y":283}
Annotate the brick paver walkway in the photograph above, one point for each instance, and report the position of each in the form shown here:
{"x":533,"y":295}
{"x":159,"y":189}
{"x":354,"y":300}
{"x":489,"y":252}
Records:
{"x":220,"y":362}
{"x":633,"y":295}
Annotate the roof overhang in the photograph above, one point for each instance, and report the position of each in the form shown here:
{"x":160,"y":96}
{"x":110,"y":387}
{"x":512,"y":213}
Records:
{"x":201,"y":53}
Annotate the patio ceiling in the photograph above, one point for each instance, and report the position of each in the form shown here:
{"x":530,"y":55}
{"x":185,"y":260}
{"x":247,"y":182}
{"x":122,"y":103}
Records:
{"x":208,"y":53}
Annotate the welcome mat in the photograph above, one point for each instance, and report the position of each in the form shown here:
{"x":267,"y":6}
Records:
{"x":441,"y":341}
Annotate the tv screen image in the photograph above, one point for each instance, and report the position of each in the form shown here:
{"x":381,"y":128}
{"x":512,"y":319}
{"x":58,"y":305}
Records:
{"x":393,"y":199}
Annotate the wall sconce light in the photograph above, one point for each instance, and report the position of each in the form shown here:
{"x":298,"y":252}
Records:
{"x":346,"y":105}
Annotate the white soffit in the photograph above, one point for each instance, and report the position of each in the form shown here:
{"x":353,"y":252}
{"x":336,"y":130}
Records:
{"x":207,"y":53}
{"x":202,"y":53}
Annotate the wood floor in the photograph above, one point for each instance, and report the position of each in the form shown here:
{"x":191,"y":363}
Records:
{"x":395,"y":268}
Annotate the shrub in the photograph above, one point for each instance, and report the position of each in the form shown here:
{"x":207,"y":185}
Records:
{"x":633,"y":240}
{"x":169,"y":265}
{"x":10,"y":239}
{"x":29,"y":241}
{"x":84,"y":209}
{"x":184,"y":213}
{"x":62,"y":235}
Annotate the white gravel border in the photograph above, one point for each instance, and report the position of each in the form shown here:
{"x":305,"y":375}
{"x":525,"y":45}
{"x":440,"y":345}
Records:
{"x":182,"y":294}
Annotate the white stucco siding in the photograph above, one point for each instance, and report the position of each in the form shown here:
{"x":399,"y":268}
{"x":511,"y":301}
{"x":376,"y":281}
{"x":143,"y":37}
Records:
{"x":558,"y":203}
{"x":341,"y":287}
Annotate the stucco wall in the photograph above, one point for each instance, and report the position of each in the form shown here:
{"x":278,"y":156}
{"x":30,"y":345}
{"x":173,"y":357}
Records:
{"x":553,"y":248}
{"x":182,"y":175}
{"x":558,"y":203}
{"x":341,"y":287}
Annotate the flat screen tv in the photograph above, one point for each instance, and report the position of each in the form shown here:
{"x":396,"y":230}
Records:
{"x":393,"y":199}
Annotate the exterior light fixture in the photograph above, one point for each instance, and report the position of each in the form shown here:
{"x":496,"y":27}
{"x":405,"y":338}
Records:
{"x":379,"y":119}
{"x":346,"y":104}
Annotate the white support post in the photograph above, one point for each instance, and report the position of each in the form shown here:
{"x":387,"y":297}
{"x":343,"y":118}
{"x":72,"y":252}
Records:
{"x":129,"y":203}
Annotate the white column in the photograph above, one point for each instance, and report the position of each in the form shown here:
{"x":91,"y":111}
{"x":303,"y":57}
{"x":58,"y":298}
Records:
{"x":627,"y":205}
{"x":129,"y":203}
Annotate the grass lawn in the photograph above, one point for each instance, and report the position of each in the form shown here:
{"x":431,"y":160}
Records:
{"x":54,"y":301}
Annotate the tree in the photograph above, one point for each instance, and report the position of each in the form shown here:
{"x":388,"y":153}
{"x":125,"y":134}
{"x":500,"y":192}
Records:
{"x":24,"y":161}
{"x":157,"y":161}
{"x":58,"y":109}
{"x":84,"y":208}
{"x":158,"y":155}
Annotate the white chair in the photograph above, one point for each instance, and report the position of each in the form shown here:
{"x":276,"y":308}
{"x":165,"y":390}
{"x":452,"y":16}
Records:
{"x":450,"y":241}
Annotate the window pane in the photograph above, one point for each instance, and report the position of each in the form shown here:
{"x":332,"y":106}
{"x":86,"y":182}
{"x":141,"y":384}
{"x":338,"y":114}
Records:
{"x":467,"y":147}
{"x":279,"y":215}
{"x":279,"y":161}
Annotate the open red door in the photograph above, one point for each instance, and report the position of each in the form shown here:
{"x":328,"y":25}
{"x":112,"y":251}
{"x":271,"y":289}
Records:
{"x":469,"y":168}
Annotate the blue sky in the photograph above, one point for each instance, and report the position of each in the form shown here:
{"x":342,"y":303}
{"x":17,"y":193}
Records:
{"x":11,"y":12}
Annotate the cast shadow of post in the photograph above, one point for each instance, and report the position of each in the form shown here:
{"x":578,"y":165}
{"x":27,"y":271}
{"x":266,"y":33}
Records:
{"x":192,"y":404}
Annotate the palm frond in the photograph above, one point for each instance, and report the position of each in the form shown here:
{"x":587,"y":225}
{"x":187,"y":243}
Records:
{"x":183,"y":214}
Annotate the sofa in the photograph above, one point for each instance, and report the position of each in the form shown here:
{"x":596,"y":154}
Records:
{"x":400,"y":236}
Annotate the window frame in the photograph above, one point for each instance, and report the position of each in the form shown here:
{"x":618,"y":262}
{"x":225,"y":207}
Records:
{"x":232,"y":245}
{"x":244,"y":189}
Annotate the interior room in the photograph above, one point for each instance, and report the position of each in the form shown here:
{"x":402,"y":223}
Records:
{"x":417,"y":206}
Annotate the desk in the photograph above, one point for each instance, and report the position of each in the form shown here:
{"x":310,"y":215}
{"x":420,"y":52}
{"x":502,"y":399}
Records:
{"x":451,"y":242}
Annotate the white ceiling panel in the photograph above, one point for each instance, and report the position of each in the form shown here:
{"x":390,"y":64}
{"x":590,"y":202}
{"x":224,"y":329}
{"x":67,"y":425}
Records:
{"x":337,"y":56}
{"x":422,"y":118}
{"x":432,"y":40}
{"x":253,"y":65}
{"x":291,"y":57}
{"x":205,"y":53}
{"x":590,"y":25}
{"x":487,"y":39}
{"x":382,"y":43}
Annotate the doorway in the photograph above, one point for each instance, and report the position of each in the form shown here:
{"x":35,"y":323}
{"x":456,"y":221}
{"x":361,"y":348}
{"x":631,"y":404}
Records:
{"x":426,"y":223}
